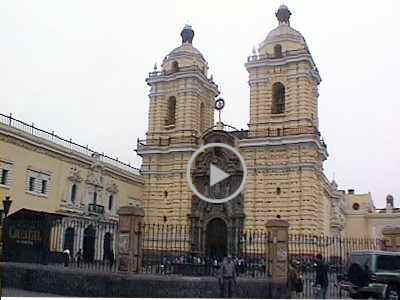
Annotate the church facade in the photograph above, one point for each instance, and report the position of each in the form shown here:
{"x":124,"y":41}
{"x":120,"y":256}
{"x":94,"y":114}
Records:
{"x":283,"y":151}
{"x":283,"y":148}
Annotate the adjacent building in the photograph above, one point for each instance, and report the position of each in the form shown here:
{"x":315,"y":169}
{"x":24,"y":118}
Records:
{"x":44,"y":173}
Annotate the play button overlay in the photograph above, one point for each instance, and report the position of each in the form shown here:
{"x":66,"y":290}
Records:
{"x":216,"y":173}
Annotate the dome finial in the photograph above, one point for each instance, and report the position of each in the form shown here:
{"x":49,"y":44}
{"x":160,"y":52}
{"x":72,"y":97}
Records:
{"x":187,"y":34}
{"x":283,"y":15}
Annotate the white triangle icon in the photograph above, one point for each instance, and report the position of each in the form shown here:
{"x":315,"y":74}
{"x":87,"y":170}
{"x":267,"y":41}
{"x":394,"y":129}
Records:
{"x":217,"y":175}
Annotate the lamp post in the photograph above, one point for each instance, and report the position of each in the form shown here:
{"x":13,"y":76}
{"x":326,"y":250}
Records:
{"x":6,"y":205}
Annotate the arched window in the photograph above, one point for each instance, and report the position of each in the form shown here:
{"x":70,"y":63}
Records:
{"x":73,"y":193}
{"x":170,"y":120}
{"x":175,"y":66}
{"x":278,"y":98}
{"x":110,"y":202}
{"x":202,"y":118}
{"x":277,"y":51}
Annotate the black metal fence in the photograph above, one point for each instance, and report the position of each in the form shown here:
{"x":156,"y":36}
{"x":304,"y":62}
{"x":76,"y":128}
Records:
{"x":91,"y":243}
{"x":53,"y":137}
{"x":185,"y":250}
{"x":176,"y":249}
{"x":335,"y":252}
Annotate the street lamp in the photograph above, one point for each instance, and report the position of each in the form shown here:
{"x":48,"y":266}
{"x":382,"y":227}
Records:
{"x":6,"y":204}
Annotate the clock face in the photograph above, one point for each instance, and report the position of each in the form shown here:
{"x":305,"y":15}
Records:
{"x":219,"y":104}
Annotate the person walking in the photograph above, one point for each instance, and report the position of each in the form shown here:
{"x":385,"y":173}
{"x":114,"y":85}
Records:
{"x":66,"y":257}
{"x":321,"y":277}
{"x":112,"y":258}
{"x":295,"y":281}
{"x":228,"y":277}
{"x":78,"y":258}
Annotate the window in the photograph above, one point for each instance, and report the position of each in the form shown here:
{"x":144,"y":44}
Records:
{"x":278,"y":191}
{"x":94,"y":197}
{"x":44,"y":186}
{"x":31,"y":184}
{"x":388,"y":262}
{"x":73,"y":193}
{"x":4,"y":176}
{"x":278,"y":98}
{"x":356,"y":206}
{"x":38,"y":183}
{"x":278,"y":51}
{"x":202,"y":118}
{"x":110,"y":202}
{"x":170,"y":120}
{"x":175,"y":66}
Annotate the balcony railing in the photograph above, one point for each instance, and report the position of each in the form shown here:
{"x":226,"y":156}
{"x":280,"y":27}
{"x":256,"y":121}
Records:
{"x":157,"y":142}
{"x":95,"y":208}
{"x":272,"y":56}
{"x":266,"y":133}
{"x":52,"y":137}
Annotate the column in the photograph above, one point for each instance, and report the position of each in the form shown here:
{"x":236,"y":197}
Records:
{"x":277,"y":256}
{"x":130,"y":239}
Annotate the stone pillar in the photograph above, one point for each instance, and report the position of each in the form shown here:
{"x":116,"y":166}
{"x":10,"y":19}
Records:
{"x":130,"y":239}
{"x":391,"y":236}
{"x":277,"y":256}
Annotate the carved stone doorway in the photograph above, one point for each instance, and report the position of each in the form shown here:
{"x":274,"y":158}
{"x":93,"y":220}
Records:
{"x":216,"y":238}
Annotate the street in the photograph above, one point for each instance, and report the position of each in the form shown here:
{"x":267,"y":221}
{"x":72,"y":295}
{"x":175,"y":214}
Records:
{"x":11,"y":292}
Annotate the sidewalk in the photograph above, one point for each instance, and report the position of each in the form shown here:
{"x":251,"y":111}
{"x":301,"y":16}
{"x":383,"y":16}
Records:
{"x":11,"y":292}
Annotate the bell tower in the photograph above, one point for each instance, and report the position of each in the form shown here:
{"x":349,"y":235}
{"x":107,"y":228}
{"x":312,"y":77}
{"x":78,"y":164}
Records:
{"x":181,"y":95}
{"x":181,"y":109}
{"x":283,"y":81}
{"x":284,"y":151}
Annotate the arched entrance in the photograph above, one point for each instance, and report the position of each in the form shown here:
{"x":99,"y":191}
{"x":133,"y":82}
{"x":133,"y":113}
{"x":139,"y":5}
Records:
{"x":89,"y":238}
{"x":69,"y":239}
{"x":216,"y":238}
{"x":107,"y":246}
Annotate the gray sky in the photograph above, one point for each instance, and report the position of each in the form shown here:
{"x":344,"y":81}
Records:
{"x":78,"y":68}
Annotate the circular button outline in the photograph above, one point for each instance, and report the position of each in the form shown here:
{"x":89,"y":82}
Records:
{"x":189,"y":177}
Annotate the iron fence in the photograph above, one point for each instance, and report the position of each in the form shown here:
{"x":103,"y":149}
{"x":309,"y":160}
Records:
{"x":185,"y":250}
{"x":51,"y":136}
{"x":91,"y":243}
{"x":335,"y":252}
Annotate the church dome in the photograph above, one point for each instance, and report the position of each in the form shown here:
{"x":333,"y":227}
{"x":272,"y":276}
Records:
{"x":284,"y":35}
{"x":185,"y":55}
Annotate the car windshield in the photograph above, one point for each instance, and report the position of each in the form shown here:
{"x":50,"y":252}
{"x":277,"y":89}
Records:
{"x":388,"y":263}
{"x":361,"y":259}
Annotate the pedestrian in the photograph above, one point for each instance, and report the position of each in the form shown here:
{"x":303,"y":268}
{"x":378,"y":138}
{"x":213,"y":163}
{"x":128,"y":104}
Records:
{"x":228,"y":277}
{"x":111,"y":258}
{"x":321,"y":278}
{"x":295,"y":280}
{"x":78,"y":257}
{"x":66,"y":257}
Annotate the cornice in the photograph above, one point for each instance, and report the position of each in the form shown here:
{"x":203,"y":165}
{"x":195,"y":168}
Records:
{"x":48,"y":148}
{"x":180,"y":75}
{"x":157,"y":150}
{"x":284,"y":61}
{"x":280,"y":141}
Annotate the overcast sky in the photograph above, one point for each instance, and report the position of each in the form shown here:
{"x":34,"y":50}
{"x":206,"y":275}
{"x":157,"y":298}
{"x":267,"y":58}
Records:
{"x":78,"y":67}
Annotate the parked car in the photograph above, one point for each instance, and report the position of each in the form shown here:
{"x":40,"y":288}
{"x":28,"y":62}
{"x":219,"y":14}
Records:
{"x":372,"y":274}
